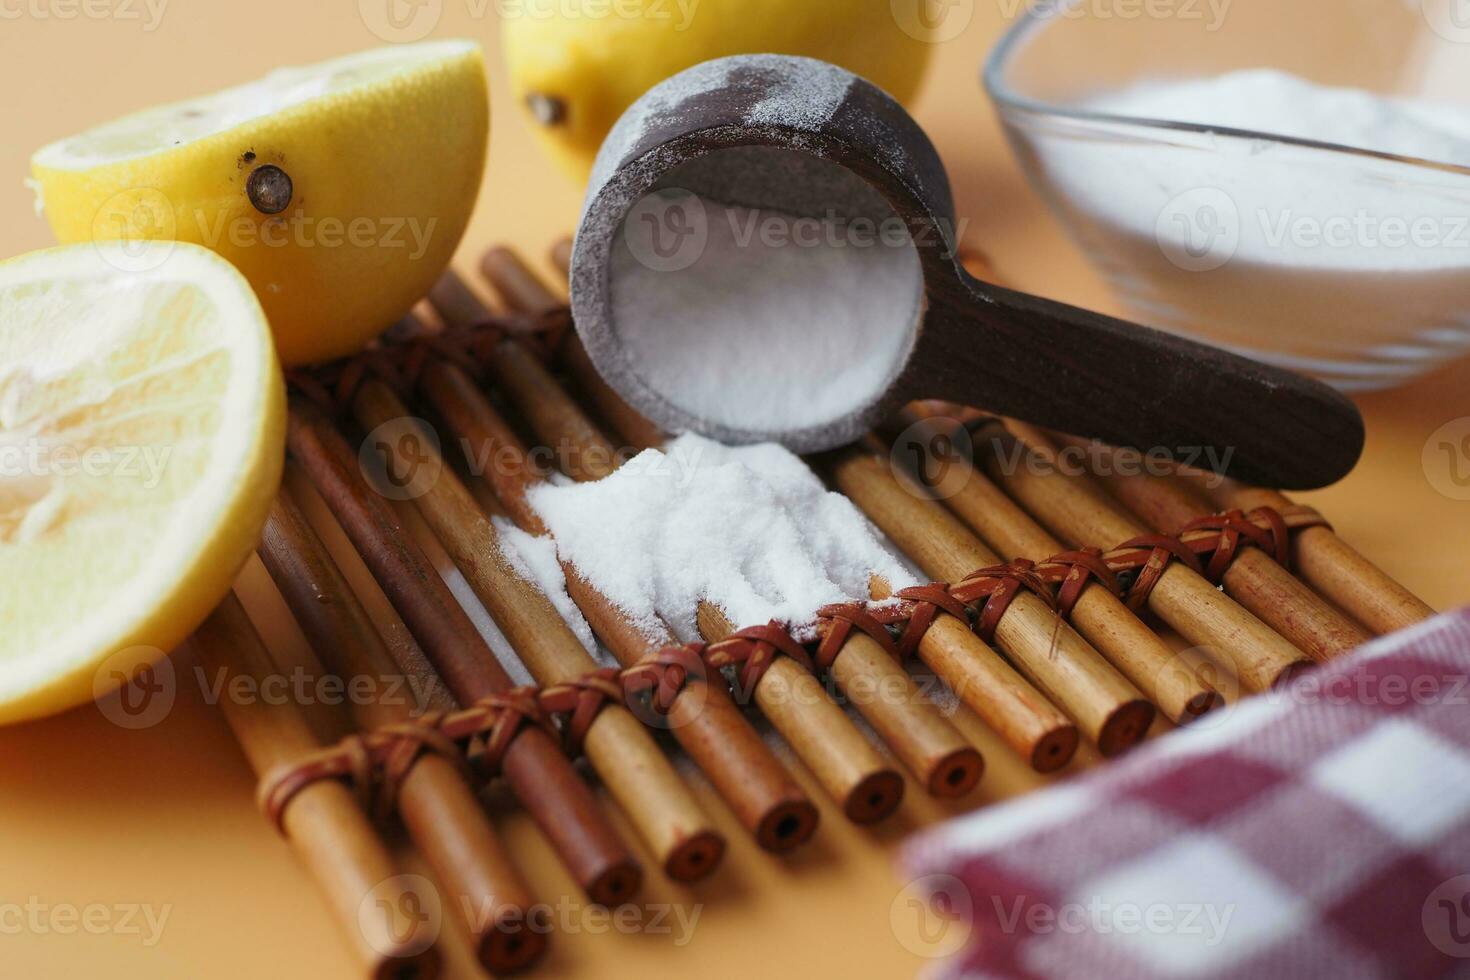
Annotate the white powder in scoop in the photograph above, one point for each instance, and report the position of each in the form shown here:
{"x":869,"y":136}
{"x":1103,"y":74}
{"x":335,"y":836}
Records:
{"x":780,"y":324}
{"x":750,"y":529}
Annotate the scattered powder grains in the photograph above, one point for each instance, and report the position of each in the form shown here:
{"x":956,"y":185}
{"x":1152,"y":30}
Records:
{"x":750,"y":529}
{"x":486,"y":626}
{"x":535,"y":560}
{"x":800,"y":92}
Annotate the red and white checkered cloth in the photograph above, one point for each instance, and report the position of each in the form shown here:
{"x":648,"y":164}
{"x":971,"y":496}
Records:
{"x":1321,"y":831}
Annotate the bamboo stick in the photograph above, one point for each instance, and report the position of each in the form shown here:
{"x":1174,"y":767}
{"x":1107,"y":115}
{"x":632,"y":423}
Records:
{"x":643,"y":781}
{"x":1084,"y":516}
{"x":708,"y":725}
{"x":523,"y":291}
{"x":1254,"y":579}
{"x":438,"y":807}
{"x":1329,"y":564}
{"x":326,"y":827}
{"x":561,"y":256}
{"x":1100,"y":616}
{"x":519,"y":288}
{"x":800,"y":708}
{"x":713,"y":730}
{"x":541,"y":776}
{"x":938,"y":755}
{"x":630,"y":424}
{"x":522,"y":377}
{"x":1109,"y":710}
{"x":1029,"y":724}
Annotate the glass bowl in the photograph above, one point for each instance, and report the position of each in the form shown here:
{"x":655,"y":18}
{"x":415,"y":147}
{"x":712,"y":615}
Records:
{"x":1343,"y":262}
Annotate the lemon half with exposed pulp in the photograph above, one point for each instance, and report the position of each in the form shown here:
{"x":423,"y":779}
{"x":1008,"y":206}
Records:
{"x":142,"y":429}
{"x":340,"y":190}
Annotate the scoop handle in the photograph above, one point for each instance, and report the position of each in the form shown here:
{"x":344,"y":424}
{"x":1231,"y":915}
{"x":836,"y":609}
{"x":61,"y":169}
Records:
{"x":1096,"y":376}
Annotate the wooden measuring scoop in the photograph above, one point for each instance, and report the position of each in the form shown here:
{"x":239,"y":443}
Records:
{"x":796,"y":137}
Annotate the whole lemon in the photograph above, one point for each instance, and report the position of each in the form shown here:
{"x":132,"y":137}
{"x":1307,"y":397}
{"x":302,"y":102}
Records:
{"x":340,"y":189}
{"x":576,"y":65}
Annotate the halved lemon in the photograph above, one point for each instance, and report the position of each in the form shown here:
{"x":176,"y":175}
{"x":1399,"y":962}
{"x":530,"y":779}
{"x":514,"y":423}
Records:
{"x":340,"y":190}
{"x":142,"y":432}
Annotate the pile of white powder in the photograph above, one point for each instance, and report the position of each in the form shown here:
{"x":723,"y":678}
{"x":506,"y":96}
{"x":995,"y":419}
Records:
{"x":750,"y":529}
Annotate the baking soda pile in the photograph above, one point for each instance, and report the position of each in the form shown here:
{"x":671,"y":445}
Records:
{"x":750,"y":529}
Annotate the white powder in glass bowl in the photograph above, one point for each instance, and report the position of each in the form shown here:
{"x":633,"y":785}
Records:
{"x":1352,"y":267}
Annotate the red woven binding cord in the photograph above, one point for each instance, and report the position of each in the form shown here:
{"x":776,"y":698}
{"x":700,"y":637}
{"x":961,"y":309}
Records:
{"x":664,"y":675}
{"x":1233,"y":527}
{"x":580,"y":700}
{"x":999,"y":585}
{"x":507,"y":714}
{"x":1083,"y":568}
{"x":840,"y":622}
{"x":753,"y":650}
{"x":927,"y":601}
{"x":1157,"y":552}
{"x":375,"y":763}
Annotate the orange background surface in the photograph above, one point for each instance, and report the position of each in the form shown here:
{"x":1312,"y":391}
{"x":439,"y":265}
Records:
{"x":90,"y":813}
